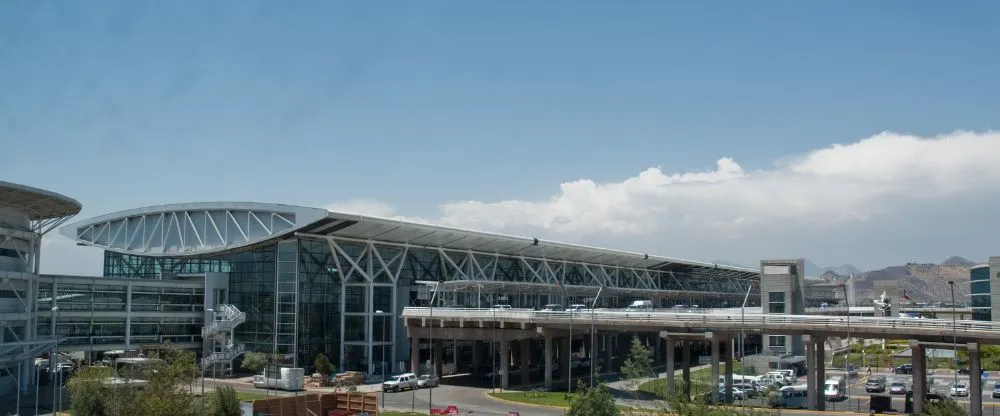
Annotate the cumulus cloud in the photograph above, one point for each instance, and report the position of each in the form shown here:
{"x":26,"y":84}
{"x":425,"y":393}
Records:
{"x":828,"y":187}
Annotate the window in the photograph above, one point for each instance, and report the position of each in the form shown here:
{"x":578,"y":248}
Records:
{"x":776,"y":302}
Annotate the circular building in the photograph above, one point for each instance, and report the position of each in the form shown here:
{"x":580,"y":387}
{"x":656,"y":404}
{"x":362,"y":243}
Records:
{"x":26,"y":214}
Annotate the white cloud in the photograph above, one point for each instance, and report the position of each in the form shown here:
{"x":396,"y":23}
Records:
{"x":829,"y":187}
{"x":883,"y":200}
{"x":372,"y":208}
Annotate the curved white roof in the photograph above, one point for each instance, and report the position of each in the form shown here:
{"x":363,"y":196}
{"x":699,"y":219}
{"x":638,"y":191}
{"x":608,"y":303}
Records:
{"x":37,"y":204}
{"x":203,"y":228}
{"x":190,"y":229}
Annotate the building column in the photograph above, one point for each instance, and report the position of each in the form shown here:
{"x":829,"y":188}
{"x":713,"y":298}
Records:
{"x":975,"y":380}
{"x":504,"y":364}
{"x":686,"y":367}
{"x":547,"y":367}
{"x":477,"y":357}
{"x":669,"y":350}
{"x":415,"y":355}
{"x":820,"y":362}
{"x":811,"y":389}
{"x":438,"y":348}
{"x":919,"y":376}
{"x":714,"y":381}
{"x":525,"y":361}
{"x":729,"y":370}
{"x":606,"y":339}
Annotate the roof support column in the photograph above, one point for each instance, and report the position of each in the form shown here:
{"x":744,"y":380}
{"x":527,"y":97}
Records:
{"x":919,"y":376}
{"x":975,"y":380}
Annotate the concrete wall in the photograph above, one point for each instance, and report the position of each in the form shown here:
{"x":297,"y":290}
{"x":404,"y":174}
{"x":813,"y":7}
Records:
{"x":784,"y":276}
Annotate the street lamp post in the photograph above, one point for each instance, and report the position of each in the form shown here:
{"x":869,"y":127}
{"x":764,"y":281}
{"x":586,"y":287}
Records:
{"x":54,"y":357}
{"x":847,"y":358}
{"x":954,"y":336}
{"x":204,"y":359}
{"x":430,"y":334}
{"x":379,"y":312}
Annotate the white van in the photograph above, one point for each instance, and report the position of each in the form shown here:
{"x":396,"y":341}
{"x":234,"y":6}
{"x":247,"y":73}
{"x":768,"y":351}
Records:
{"x":792,"y":397}
{"x":835,"y":388}
{"x":640,"y":305}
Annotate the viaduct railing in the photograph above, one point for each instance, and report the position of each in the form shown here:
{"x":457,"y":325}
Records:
{"x":900,"y":328}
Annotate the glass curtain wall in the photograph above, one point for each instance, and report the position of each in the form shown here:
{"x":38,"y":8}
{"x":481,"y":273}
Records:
{"x":981,"y":295}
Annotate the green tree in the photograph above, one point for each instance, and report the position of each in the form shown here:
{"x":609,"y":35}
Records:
{"x":254,"y":362}
{"x":323,"y":365}
{"x":638,"y":365}
{"x":225,"y":402}
{"x":946,"y":407}
{"x":595,"y":401}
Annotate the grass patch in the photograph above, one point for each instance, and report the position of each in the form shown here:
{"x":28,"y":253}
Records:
{"x":544,"y":398}
{"x":700,"y":380}
{"x":246,"y":396}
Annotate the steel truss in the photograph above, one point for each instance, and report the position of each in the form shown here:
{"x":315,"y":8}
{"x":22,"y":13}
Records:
{"x":376,"y":262}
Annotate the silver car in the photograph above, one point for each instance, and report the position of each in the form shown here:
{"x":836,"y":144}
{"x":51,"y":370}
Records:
{"x":897,"y":388}
{"x":426,"y":381}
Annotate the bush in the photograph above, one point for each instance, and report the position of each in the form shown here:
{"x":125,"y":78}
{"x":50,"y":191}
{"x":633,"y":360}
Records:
{"x":596,"y":401}
{"x":225,"y":402}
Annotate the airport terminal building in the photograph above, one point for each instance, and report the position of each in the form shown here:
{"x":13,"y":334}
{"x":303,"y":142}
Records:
{"x":300,"y":281}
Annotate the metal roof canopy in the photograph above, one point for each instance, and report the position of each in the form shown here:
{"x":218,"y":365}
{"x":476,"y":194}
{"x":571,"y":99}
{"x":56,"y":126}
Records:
{"x":37,"y":204}
{"x":366,"y":228}
{"x":524,"y":288}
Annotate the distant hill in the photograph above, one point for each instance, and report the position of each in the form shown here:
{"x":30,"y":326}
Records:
{"x":958,"y":261}
{"x":922,"y":282}
{"x":812,"y":269}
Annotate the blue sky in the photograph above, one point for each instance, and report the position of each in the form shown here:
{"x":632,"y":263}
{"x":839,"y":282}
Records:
{"x":414,"y":105}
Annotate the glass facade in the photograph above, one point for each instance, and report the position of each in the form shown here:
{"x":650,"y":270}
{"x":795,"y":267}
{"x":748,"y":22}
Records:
{"x":980,"y":293}
{"x":303,"y":297}
{"x":94,"y":314}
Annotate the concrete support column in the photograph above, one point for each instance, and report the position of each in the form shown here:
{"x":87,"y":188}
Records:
{"x":477,"y":357}
{"x":729,"y":370}
{"x":565,"y":345}
{"x":607,"y":353}
{"x":504,"y":364}
{"x":414,"y":355}
{"x":975,"y":380}
{"x":525,"y":364}
{"x":714,"y":381}
{"x":547,"y":367}
{"x":438,"y":357}
{"x":811,"y":385}
{"x":820,"y":363}
{"x":918,"y":359}
{"x":686,"y":367}
{"x":669,"y":350}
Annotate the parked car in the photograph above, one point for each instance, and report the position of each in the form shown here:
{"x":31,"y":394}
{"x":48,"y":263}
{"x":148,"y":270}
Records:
{"x":897,"y":387}
{"x":964,"y":371}
{"x":875,"y":384}
{"x":407,"y":381}
{"x":996,"y":391}
{"x":959,"y":390}
{"x":426,"y":381}
{"x":904,"y":369}
{"x":738,"y":394}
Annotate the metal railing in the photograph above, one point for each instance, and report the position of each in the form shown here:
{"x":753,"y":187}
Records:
{"x":833,"y":325}
{"x":224,"y":356}
{"x":227,"y":317}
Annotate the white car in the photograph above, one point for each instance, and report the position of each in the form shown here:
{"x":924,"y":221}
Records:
{"x":501,"y":308}
{"x":401,"y":382}
{"x":959,"y":390}
{"x":426,"y":381}
{"x":737,"y":393}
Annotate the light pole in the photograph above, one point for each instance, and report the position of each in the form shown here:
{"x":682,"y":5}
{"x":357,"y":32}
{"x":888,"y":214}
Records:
{"x":379,"y":312}
{"x":847,"y":358}
{"x":54,"y":358}
{"x":430,"y":334}
{"x":954,"y":336}
{"x":569,"y":367}
{"x":204,"y":359}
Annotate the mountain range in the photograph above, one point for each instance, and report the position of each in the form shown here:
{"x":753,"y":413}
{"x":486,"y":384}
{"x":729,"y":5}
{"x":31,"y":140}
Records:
{"x":922,"y":282}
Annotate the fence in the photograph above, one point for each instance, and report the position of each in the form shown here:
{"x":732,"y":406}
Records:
{"x":317,"y":404}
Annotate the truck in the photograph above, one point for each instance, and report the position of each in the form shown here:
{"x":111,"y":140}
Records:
{"x":640,"y":305}
{"x":290,"y":379}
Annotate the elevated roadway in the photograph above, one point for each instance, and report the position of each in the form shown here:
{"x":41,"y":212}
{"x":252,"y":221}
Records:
{"x":927,"y":330}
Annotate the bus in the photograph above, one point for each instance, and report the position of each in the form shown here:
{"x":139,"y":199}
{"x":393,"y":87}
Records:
{"x":791,"y":397}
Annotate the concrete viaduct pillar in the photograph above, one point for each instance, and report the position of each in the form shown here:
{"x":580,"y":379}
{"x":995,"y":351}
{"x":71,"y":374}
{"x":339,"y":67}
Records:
{"x":477,"y":357}
{"x":547,"y":368}
{"x":414,"y":355}
{"x":438,"y":357}
{"x":815,"y":370}
{"x":565,"y":349}
{"x":670,"y":366}
{"x":504,"y":364}
{"x":525,"y":364}
{"x":975,"y":380}
{"x":918,"y":359}
{"x":686,"y":367}
{"x":729,"y":369}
